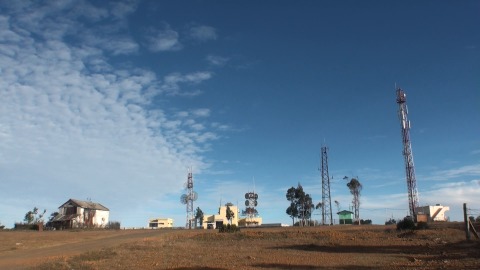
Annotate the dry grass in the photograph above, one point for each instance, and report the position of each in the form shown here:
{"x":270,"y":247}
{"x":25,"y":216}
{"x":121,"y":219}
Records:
{"x":337,"y":247}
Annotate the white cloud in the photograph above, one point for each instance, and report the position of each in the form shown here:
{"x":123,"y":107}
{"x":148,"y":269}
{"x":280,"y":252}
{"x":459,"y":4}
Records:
{"x":203,"y":33}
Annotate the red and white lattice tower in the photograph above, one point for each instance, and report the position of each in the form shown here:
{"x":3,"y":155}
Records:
{"x":407,"y":153}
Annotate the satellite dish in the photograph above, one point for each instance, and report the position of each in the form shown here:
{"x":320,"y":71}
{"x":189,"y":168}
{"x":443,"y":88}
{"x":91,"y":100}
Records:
{"x":247,"y":202}
{"x":184,"y":199}
{"x":255,"y":203}
{"x":246,"y":195}
{"x":194,"y":196}
{"x":256,"y":196}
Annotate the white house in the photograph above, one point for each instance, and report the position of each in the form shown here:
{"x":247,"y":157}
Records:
{"x":79,"y":214}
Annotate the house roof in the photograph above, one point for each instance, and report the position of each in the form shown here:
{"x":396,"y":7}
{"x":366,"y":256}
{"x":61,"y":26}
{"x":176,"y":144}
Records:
{"x":60,"y":217}
{"x":85,"y":204}
{"x":344,"y":212}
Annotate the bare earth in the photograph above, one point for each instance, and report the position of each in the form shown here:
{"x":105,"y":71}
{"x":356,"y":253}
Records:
{"x":329,"y":247}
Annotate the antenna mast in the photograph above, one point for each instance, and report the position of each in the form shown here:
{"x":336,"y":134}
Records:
{"x":407,"y":153}
{"x":188,"y":199}
{"x":326,"y":201}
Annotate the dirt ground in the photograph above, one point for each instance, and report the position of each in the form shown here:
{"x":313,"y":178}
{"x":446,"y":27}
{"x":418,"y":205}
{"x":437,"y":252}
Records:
{"x":327,"y":247}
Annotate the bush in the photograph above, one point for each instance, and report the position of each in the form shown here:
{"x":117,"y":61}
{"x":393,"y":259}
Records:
{"x":228,"y":228}
{"x":113,"y":225}
{"x":366,"y":222}
{"x":390,"y":222}
{"x":406,"y":224}
{"x":421,"y":225}
{"x":26,"y":226}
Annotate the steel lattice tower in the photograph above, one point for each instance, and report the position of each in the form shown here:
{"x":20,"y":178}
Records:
{"x":191,"y":196}
{"x":326,"y":201}
{"x":188,"y":199}
{"x":407,"y":153}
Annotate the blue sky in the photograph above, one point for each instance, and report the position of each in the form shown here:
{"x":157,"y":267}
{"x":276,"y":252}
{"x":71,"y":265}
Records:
{"x":113,"y":101}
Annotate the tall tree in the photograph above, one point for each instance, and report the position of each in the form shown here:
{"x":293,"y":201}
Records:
{"x":229,"y":214}
{"x":199,"y":216}
{"x":33,"y":216}
{"x":337,"y":203}
{"x":307,"y":207}
{"x":301,"y":205}
{"x":320,"y":206}
{"x":292,"y":211}
{"x":355,"y":188}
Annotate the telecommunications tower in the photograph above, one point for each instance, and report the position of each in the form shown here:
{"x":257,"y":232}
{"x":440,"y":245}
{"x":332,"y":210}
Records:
{"x":188,"y":199}
{"x":326,"y":201}
{"x":407,"y":153}
{"x":250,"y":207}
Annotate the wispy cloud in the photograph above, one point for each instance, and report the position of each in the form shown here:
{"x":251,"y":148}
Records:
{"x":165,"y":39}
{"x":475,"y":152}
{"x":202,"y":33}
{"x":216,"y":60}
{"x":450,"y":174}
{"x":171,"y":82}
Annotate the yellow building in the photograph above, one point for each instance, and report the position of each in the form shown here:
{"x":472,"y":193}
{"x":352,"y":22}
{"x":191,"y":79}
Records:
{"x":250,"y":222}
{"x":158,"y":223}
{"x":215,"y":221}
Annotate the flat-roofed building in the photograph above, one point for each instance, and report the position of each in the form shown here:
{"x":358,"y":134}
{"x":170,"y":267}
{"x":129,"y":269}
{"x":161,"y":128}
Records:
{"x":159,"y":223}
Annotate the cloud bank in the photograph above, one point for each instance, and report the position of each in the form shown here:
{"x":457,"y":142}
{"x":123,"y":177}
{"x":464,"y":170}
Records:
{"x":73,"y":126}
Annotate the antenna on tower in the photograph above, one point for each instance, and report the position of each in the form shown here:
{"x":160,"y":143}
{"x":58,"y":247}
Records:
{"x":188,"y":199}
{"x":326,"y":199}
{"x":407,"y":153}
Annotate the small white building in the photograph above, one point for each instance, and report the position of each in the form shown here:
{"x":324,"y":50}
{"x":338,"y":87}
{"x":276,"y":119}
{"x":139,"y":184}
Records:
{"x":80,"y":214}
{"x":158,"y":223}
{"x":434,"y":212}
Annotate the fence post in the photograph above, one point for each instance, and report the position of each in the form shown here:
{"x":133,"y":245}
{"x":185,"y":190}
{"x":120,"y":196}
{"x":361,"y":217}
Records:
{"x":467,"y":225}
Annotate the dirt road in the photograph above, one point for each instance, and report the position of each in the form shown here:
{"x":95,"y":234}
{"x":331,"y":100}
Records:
{"x":29,"y":252}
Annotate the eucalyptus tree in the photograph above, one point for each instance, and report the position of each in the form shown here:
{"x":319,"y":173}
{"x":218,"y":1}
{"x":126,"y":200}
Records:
{"x":355,"y":188}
